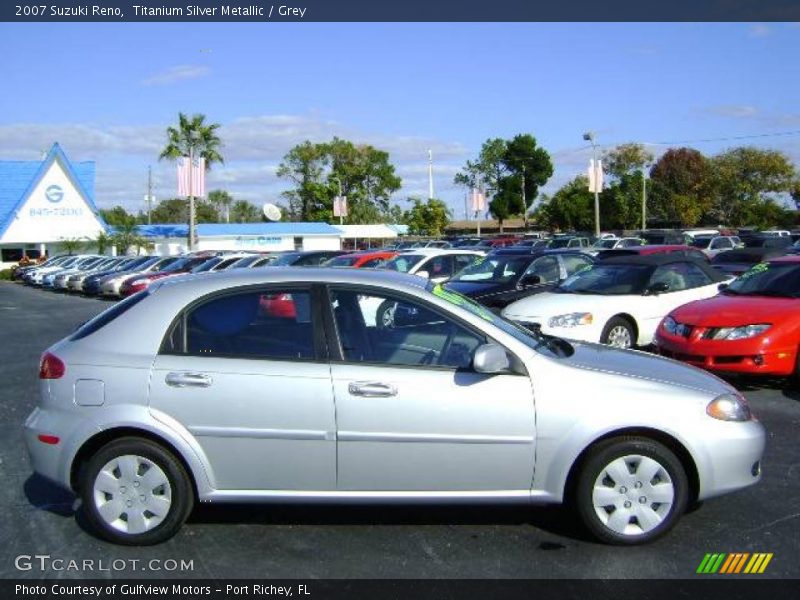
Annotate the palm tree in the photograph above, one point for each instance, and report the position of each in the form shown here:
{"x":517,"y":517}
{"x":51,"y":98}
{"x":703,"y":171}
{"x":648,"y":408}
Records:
{"x":102,"y":241}
{"x":193,"y":136}
{"x":70,"y":245}
{"x":222,"y":201}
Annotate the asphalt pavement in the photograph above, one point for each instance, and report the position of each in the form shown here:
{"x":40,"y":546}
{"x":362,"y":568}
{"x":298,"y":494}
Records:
{"x":258,"y":541}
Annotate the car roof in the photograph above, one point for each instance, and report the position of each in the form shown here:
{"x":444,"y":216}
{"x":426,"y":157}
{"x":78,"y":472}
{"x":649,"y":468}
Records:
{"x":657,"y":260}
{"x":435,"y":251}
{"x":206,"y":282}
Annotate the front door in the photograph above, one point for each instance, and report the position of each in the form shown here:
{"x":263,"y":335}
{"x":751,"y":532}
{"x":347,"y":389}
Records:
{"x":243,"y":374}
{"x":412,"y":415}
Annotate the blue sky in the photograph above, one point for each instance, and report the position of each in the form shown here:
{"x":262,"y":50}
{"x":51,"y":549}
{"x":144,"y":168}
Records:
{"x":107,"y":92}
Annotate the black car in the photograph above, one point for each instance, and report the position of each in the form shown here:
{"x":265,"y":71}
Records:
{"x":308,"y":258}
{"x":506,"y":275}
{"x":736,"y":262}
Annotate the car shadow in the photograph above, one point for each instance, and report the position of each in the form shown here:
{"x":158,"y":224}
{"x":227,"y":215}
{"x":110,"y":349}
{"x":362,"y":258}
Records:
{"x":44,"y":495}
{"x":554,"y":520}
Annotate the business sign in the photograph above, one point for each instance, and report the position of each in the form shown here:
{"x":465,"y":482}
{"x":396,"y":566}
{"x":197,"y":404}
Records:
{"x":262,"y":240}
{"x":54,"y":194}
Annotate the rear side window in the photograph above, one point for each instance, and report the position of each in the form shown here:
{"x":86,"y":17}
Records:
{"x":274,"y":324}
{"x":105,"y":317}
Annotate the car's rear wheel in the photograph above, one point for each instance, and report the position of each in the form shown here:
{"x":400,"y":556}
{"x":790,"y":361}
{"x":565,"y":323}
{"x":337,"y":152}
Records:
{"x":631,"y":490}
{"x":619,"y":333}
{"x":135,"y":492}
{"x":384,"y":317}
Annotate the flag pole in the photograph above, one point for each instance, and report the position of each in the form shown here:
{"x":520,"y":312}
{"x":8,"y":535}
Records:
{"x":191,"y":199}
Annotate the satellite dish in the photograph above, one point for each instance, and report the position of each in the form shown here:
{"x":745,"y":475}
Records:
{"x":272,"y":212}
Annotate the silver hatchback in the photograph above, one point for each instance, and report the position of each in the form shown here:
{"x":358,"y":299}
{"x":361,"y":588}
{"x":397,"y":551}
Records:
{"x":281,"y":385}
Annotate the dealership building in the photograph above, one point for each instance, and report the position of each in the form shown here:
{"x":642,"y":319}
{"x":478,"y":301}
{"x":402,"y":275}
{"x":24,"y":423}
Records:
{"x":45,"y":202}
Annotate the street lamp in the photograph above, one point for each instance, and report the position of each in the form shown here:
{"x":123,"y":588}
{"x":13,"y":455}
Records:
{"x":589,"y":137}
{"x":644,"y":195}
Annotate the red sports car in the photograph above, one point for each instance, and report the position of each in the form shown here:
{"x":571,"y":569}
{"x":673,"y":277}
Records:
{"x":752,"y":326}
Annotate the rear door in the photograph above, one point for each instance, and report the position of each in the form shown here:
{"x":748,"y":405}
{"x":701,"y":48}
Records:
{"x":246,"y":373}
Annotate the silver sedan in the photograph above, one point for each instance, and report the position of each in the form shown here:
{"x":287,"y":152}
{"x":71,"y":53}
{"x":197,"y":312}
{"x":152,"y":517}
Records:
{"x":279,"y":385}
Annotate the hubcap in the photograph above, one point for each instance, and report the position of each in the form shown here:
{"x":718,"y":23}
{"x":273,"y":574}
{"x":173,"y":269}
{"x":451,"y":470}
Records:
{"x":633,"y":494}
{"x":132,"y":494}
{"x":619,"y":337}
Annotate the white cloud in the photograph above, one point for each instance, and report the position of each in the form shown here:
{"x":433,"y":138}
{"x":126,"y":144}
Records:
{"x":177,"y":73}
{"x":759,"y":30}
{"x":733,"y":111}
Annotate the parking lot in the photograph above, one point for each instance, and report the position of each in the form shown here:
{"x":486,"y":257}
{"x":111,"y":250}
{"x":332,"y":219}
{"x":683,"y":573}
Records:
{"x":373,"y":542}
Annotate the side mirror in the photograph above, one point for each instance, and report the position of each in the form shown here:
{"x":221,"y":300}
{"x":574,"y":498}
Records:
{"x":529,"y":280}
{"x":490,"y":358}
{"x":657,"y":288}
{"x":722,"y":286}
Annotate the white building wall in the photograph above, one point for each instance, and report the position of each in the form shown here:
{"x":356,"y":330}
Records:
{"x":50,"y":217}
{"x":322,"y":242}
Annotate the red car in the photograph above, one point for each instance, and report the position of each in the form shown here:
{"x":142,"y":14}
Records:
{"x":753,"y":326}
{"x":648,"y":249}
{"x":139,"y":282}
{"x":361,"y":260}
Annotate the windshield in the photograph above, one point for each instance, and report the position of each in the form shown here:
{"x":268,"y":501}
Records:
{"x":534,"y":340}
{"x":162,"y":263}
{"x":348,"y":260}
{"x":403,"y":262}
{"x":768,"y":279}
{"x":493,"y":269}
{"x":607,"y":280}
{"x":559,"y":243}
{"x":287,"y":259}
{"x":700,"y":242}
{"x":731,"y":256}
{"x":245,"y":262}
{"x":605,"y":243}
{"x":206,"y":266}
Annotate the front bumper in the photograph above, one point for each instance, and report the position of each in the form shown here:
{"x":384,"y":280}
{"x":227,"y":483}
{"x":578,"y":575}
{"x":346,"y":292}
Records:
{"x":749,"y":356}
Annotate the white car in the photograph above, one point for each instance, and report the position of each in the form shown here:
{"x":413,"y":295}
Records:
{"x":436,"y":264}
{"x":619,"y":301}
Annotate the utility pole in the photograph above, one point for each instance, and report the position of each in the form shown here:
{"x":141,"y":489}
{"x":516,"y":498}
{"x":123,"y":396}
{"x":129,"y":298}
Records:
{"x":430,"y":174}
{"x":191,"y":199}
{"x":589,"y":137}
{"x":644,"y":198}
{"x":149,"y":197}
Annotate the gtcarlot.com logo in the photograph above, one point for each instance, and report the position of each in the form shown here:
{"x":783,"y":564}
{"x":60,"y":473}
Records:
{"x":734,"y":563}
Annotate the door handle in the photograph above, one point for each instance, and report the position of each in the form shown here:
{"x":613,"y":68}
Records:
{"x":188,"y":380}
{"x":372,"y":389}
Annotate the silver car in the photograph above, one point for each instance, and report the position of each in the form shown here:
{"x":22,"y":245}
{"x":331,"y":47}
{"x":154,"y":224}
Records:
{"x":276,"y":385}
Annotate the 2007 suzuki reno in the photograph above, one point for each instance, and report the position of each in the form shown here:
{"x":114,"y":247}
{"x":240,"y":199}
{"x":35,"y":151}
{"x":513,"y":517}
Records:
{"x":282,"y":385}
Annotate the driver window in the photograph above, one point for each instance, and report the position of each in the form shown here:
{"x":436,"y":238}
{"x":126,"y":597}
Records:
{"x":395,"y":331}
{"x":672,"y":275}
{"x":546,"y":268}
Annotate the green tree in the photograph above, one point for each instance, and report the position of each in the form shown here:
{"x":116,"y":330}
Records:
{"x":487,"y":173}
{"x":102,"y":242}
{"x":303,"y":165}
{"x":681,"y":189}
{"x":71,"y":245}
{"x":531,"y":167}
{"x":125,"y":236}
{"x":193,"y":136}
{"x":427,"y":218}
{"x":363,"y":173}
{"x":626,"y":159}
{"x":116,"y":216}
{"x":745,"y":178}
{"x":221,"y":201}
{"x":243,"y":211}
{"x":571,"y":208}
{"x":176,"y":210}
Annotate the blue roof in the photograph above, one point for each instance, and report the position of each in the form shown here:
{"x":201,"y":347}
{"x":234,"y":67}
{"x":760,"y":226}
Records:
{"x":18,"y":178}
{"x":233,"y":229}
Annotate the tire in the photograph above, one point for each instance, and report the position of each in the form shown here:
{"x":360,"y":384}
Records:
{"x":616,"y":502}
{"x":384,"y":317}
{"x":140,"y":475}
{"x":618,"y":333}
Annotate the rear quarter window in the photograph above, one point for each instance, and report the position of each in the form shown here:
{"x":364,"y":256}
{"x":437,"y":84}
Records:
{"x":105,"y":317}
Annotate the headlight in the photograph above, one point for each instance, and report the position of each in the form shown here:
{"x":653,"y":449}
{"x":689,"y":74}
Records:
{"x":571,"y":320}
{"x":670,"y":325}
{"x":729,"y":407}
{"x":740,"y":333}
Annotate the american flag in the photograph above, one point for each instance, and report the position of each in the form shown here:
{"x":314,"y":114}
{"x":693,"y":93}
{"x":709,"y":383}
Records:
{"x":191,"y":181}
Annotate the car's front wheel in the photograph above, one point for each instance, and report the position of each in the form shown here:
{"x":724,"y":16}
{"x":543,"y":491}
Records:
{"x":619,"y":333}
{"x":135,"y":492}
{"x":631,"y":490}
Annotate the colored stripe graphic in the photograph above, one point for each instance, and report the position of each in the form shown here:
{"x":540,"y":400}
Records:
{"x":734,"y":563}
